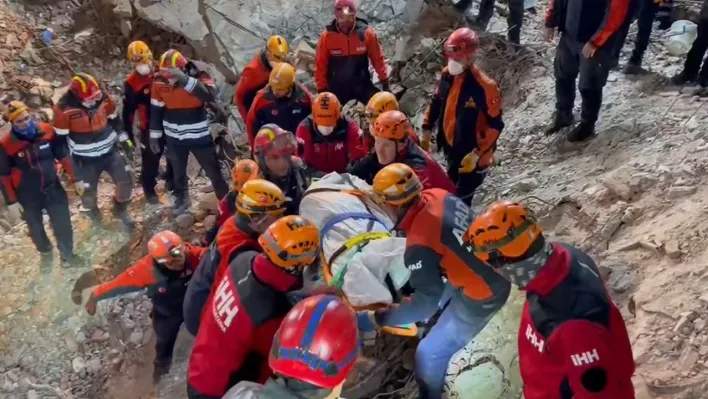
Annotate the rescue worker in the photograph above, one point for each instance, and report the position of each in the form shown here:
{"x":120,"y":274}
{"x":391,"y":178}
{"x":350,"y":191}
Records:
{"x":393,"y":145}
{"x":247,"y":307}
{"x":274,"y":151}
{"x":434,"y":222}
{"x":343,"y":53}
{"x":28,"y":152}
{"x":136,"y":110}
{"x":255,"y":75}
{"x":243,"y":171}
{"x":591,"y":38}
{"x":180,"y":94}
{"x":328,"y":140}
{"x":695,"y":68}
{"x":320,"y":327}
{"x":283,"y":102}
{"x":258,"y":204}
{"x":90,"y":122}
{"x":573,"y":342}
{"x":378,"y":104}
{"x":650,"y":10}
{"x":466,"y":110}
{"x":514,"y":20}
{"x":164,"y":273}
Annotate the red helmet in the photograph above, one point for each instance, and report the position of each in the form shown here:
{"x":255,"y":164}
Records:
{"x":271,"y":140}
{"x":85,"y":87}
{"x":317,"y":343}
{"x":344,"y":8}
{"x":463,"y":42}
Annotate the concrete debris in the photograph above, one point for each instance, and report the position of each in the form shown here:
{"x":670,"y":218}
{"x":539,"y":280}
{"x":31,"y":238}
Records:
{"x":209,"y":202}
{"x":78,"y":365}
{"x":136,"y":337}
{"x":184,"y":221}
{"x":673,"y":249}
{"x":676,"y":192}
{"x":688,"y":359}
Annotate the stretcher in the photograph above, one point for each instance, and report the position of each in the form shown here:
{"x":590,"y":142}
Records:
{"x":359,"y":255}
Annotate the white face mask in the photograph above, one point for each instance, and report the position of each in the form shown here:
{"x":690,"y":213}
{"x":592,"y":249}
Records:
{"x":143,"y":69}
{"x":455,"y":68}
{"x":325,"y":130}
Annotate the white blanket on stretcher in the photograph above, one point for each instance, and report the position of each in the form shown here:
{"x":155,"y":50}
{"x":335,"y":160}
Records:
{"x":366,"y":267}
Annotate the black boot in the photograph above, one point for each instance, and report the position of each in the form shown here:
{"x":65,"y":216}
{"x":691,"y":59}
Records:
{"x":71,"y":261}
{"x":581,"y":132}
{"x":120,"y":211}
{"x":633,"y":67}
{"x":682,"y":78}
{"x":160,"y":370}
{"x":560,"y":121}
{"x":151,"y":196}
{"x":45,"y":261}
{"x":94,"y":214}
{"x":182,"y":203}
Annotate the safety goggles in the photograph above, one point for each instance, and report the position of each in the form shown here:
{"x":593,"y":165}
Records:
{"x":393,"y":195}
{"x":93,"y":98}
{"x":138,"y":59}
{"x":173,"y":255}
{"x":282,"y":145}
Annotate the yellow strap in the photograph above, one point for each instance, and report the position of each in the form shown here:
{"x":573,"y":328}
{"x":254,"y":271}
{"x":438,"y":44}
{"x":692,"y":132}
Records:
{"x":410,"y":330}
{"x":360,"y":238}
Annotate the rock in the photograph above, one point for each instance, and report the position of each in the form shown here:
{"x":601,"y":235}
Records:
{"x":200,"y":214}
{"x":136,"y":337}
{"x":612,"y":222}
{"x":684,"y":321}
{"x":526,"y":185}
{"x":34,"y":101}
{"x":673,"y":249}
{"x":32,"y":394}
{"x":704,"y":299}
{"x":58,"y":93}
{"x":630,"y":215}
{"x":621,"y":278}
{"x":126,"y":28}
{"x":699,"y":325}
{"x":703,"y":350}
{"x":123,"y":8}
{"x":410,"y":102}
{"x":100,"y":335}
{"x":676,"y":192}
{"x":93,"y":366}
{"x":78,"y":365}
{"x":688,"y":359}
{"x":304,"y":52}
{"x":641,"y":389}
{"x":128,"y":324}
{"x":71,"y":344}
{"x":42,"y":88}
{"x":207,"y":188}
{"x":209,"y":222}
{"x":184,"y":221}
{"x":80,"y":337}
{"x":618,"y":185}
{"x":30,"y":56}
{"x":209,"y":203}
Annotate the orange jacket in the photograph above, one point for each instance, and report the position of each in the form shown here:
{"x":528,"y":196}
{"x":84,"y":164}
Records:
{"x":466,"y":109}
{"x":164,"y":286}
{"x":253,"y":78}
{"x":342,"y":59}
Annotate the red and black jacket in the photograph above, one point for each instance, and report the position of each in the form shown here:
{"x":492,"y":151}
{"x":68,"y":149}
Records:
{"x":136,"y":104}
{"x":28,"y":168}
{"x":286,"y":112}
{"x":332,"y":153}
{"x":573,"y":342}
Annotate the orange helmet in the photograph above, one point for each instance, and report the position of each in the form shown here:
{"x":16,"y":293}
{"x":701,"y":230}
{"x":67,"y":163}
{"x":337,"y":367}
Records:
{"x":397,"y":184}
{"x":139,"y":52}
{"x":271,"y":140}
{"x":392,"y":125}
{"x":243,"y":171}
{"x":291,"y":242}
{"x":276,"y":48}
{"x":326,"y":109}
{"x":166,"y":248}
{"x":378,"y":104}
{"x":463,"y":42}
{"x":173,"y":59}
{"x":282,"y":77}
{"x":85,"y":87}
{"x":505,"y":230}
{"x":260,"y":196}
{"x":13,"y":110}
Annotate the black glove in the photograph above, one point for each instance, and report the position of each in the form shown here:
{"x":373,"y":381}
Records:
{"x":385,"y":85}
{"x":180,"y":77}
{"x":155,"y":145}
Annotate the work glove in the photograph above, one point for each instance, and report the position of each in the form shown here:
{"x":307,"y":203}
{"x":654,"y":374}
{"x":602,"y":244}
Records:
{"x":469,"y":163}
{"x":366,"y":321}
{"x":15,"y":211}
{"x":90,"y":306}
{"x":127,"y":145}
{"x":155,"y":145}
{"x":385,"y":85}
{"x":79,"y":187}
{"x":179,"y":76}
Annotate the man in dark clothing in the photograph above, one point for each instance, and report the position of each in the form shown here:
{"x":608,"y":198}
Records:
{"x":514,"y":19}
{"x":258,"y":204}
{"x":89,"y":121}
{"x":692,"y":69}
{"x":592,"y":35}
{"x":136,"y":108}
{"x":573,"y":342}
{"x":274,"y":150}
{"x":165,"y":273}
{"x":342,"y":57}
{"x":650,"y":10}
{"x":246,"y":308}
{"x":466,"y":109}
{"x":180,"y":96}
{"x":283,"y":102}
{"x":28,"y":152}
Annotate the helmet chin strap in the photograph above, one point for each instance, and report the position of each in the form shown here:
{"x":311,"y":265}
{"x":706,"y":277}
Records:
{"x":521,"y":273}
